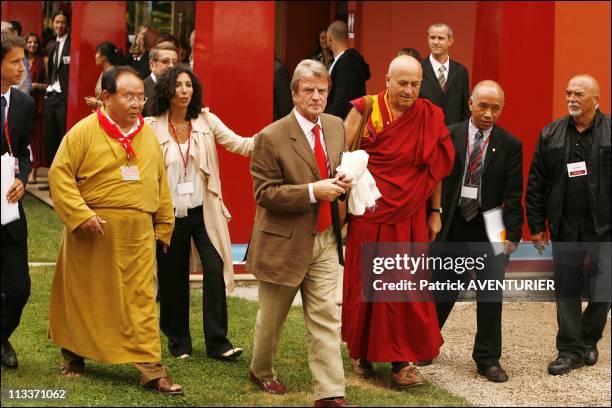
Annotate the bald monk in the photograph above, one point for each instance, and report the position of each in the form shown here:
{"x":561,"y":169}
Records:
{"x":410,"y":153}
{"x":569,"y":188}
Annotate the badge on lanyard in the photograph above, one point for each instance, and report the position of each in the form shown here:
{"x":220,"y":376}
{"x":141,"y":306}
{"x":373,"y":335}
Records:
{"x":186,"y":188}
{"x":576,"y":169}
{"x":469,"y":192}
{"x":130,"y":173}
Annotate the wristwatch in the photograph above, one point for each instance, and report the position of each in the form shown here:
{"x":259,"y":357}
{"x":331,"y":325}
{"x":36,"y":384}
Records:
{"x":438,"y":210}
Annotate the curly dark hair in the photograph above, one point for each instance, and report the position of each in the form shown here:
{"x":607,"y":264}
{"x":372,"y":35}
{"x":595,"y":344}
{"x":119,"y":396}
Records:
{"x":166,"y":88}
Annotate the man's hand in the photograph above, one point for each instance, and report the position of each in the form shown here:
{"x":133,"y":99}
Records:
{"x":327,"y":190}
{"x":540,"y":241}
{"x":509,"y":247}
{"x":94,"y":224}
{"x":164,"y":247}
{"x":16,"y":191}
{"x":344,"y":181}
{"x":434,"y":223}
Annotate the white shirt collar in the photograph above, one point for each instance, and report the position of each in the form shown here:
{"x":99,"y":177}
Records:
{"x":63,"y":38}
{"x":134,"y":126}
{"x":305,"y":124}
{"x":436,"y":65}
{"x":335,"y":60}
{"x":7,"y":96}
{"x":473,"y":130}
{"x":153,"y":77}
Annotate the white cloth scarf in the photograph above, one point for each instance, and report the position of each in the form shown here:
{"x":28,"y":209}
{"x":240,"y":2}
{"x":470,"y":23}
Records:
{"x":363,"y":193}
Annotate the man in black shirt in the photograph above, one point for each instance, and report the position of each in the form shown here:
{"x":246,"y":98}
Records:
{"x":569,"y":188}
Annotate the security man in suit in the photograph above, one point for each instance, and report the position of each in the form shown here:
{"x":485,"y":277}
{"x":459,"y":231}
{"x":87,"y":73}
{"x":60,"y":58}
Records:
{"x":488,"y":173}
{"x":56,"y":97}
{"x":161,"y":58}
{"x":445,"y":81}
{"x":296,"y":243}
{"x":17,"y":114}
{"x":569,"y":189}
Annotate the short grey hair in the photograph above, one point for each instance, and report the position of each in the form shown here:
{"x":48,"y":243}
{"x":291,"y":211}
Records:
{"x":442,"y":25}
{"x":486,"y":82}
{"x":308,"y":68}
{"x":9,"y":42}
{"x":338,"y":31}
{"x":162,"y":46}
{"x":8,"y":28}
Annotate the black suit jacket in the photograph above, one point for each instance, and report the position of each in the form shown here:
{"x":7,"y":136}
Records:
{"x":149,"y":85}
{"x":454,"y":100}
{"x":348,"y":82}
{"x":63,"y":70}
{"x":501,"y":181}
{"x":20,"y":116}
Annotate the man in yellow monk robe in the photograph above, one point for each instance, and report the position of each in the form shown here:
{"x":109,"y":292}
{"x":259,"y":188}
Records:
{"x":109,"y":188}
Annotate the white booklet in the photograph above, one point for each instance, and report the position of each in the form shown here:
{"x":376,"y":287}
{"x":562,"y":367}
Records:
{"x":496,"y":230}
{"x":10,"y":212}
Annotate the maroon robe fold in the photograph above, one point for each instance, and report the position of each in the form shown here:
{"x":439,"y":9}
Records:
{"x":408,"y":157}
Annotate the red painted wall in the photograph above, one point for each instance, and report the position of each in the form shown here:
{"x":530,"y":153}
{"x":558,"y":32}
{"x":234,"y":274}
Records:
{"x":304,"y":20}
{"x":387,"y":26}
{"x":93,"y":22}
{"x":235,"y":43}
{"x":28,"y":13}
{"x":582,"y":45}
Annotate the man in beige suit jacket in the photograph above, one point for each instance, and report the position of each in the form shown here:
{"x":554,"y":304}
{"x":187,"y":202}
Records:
{"x":296,"y":243}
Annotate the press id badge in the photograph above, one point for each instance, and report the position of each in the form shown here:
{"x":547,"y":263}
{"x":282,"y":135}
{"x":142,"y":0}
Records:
{"x":576,"y":169}
{"x":469,"y":192}
{"x":186,"y":188}
{"x":130,"y":173}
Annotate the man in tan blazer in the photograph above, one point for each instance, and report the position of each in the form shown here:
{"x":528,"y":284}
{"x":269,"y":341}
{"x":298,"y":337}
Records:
{"x":296,"y":243}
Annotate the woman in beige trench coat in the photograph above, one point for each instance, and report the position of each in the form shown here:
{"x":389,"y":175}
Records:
{"x":187,"y":135}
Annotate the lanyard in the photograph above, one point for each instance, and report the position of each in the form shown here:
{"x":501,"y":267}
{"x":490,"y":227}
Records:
{"x":8,"y":137}
{"x":185,"y":159}
{"x":472,"y":166}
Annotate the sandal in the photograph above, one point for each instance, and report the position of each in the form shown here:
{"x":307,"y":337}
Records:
{"x":163,"y":386}
{"x":72,"y":368}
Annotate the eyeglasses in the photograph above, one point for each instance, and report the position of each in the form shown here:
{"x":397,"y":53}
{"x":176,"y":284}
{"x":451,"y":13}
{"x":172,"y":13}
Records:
{"x":141,"y":100}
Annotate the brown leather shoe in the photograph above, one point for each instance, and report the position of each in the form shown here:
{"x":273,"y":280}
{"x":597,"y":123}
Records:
{"x":334,"y":402}
{"x":407,"y":377}
{"x":362,"y":368}
{"x":273,"y":387}
{"x":494,"y":374}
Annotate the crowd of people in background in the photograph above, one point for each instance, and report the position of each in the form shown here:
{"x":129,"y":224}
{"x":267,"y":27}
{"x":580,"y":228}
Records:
{"x":431,"y":141}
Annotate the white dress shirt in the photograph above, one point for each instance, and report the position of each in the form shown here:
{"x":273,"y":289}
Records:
{"x":336,"y":58}
{"x":436,"y":66}
{"x":472,"y":130}
{"x":7,"y":96}
{"x":306,"y":127}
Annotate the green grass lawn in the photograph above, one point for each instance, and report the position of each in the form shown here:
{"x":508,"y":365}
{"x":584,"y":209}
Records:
{"x":206,"y":382}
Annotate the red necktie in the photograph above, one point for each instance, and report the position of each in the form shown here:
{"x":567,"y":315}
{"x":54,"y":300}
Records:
{"x":324,"y":219}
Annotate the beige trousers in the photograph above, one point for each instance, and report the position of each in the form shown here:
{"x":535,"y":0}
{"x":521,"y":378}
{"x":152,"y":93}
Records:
{"x":320,"y":314}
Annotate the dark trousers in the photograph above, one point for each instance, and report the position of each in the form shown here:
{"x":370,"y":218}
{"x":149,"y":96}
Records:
{"x":488,"y":341}
{"x":15,"y":282}
{"x":173,"y":278}
{"x":54,"y":120}
{"x":578,"y":329}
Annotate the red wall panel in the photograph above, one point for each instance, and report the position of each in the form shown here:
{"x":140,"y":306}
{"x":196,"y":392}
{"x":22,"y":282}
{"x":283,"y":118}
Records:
{"x":28,"y":13}
{"x":93,"y":22}
{"x":234,"y":61}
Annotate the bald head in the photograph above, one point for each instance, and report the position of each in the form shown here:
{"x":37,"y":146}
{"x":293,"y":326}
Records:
{"x":587,"y":81}
{"x":487,"y":87}
{"x":403,"y":82}
{"x":405,"y":63}
{"x":582,"y":96}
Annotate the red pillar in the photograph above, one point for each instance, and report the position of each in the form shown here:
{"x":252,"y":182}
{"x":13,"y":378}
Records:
{"x":92,"y":22}
{"x":234,"y":61}
{"x":514,"y":45}
{"x":28,"y":13}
